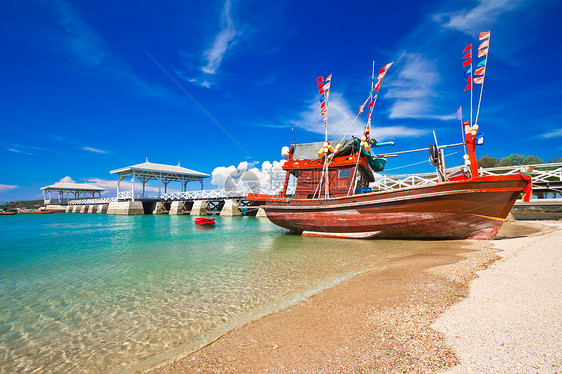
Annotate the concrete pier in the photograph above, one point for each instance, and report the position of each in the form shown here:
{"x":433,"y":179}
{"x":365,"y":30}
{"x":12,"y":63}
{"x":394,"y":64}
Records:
{"x":91,"y":208}
{"x":126,"y":208}
{"x":231,"y":208}
{"x":101,"y":208}
{"x":200,"y":208}
{"x":178,"y":208}
{"x":68,"y":209}
{"x":160,"y":208}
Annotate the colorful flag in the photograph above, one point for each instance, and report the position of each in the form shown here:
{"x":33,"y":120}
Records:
{"x":320,"y":85}
{"x":467,"y":48}
{"x":327,"y":86}
{"x":319,"y":79}
{"x":324,"y":111}
{"x":482,"y":63}
{"x":329,"y":78}
{"x":322,"y":98}
{"x":321,"y":91}
{"x":384,"y":69}
{"x":479,"y":80}
{"x":480,"y":71}
{"x":467,"y":62}
{"x":484,"y":44}
{"x":468,"y":84}
{"x":371,"y":92}
{"x":484,"y":35}
{"x":378,"y":85}
{"x":371,"y":104}
{"x":369,"y":115}
{"x":322,"y":104}
{"x":528,"y":192}
{"x":468,"y":71}
{"x":459,"y":113}
{"x":483,"y":52}
{"x":468,"y":55}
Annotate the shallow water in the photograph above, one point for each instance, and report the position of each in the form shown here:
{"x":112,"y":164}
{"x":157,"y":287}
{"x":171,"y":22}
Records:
{"x":92,"y":293}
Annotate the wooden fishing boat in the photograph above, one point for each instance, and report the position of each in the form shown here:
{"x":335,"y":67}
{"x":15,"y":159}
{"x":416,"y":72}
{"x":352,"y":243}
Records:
{"x":7,"y":212}
{"x":37,"y":211}
{"x":333,"y":197}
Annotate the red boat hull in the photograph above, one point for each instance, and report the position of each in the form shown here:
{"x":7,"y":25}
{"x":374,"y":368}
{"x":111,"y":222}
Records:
{"x":463,"y":209}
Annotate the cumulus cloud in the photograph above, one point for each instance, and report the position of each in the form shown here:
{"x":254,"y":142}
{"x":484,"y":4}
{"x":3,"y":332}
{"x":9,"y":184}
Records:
{"x":7,"y":187}
{"x":110,"y":186}
{"x":270,"y":176}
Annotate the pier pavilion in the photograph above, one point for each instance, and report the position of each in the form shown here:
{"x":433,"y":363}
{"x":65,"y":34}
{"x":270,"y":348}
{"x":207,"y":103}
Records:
{"x":138,"y":200}
{"x":74,"y":190}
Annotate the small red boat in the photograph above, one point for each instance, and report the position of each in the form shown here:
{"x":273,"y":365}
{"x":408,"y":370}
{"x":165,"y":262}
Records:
{"x":7,"y":213}
{"x":25,"y":211}
{"x":205,"y":221}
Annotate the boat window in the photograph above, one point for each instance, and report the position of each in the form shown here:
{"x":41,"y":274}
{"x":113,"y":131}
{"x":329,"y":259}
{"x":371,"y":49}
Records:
{"x":344,"y":173}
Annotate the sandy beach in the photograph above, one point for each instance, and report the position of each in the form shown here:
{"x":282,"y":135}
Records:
{"x":424,"y":312}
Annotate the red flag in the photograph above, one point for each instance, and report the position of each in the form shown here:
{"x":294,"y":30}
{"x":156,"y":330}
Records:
{"x":467,"y":48}
{"x":468,"y":84}
{"x":484,"y":44}
{"x":371,"y":112}
{"x":321,"y":92}
{"x":528,"y":192}
{"x":320,"y":85}
{"x":371,"y":104}
{"x":324,"y":111}
{"x":483,"y":52}
{"x":479,"y":80}
{"x":484,"y":35}
{"x":319,"y":79}
{"x":378,"y":85}
{"x":480,"y":71}
{"x":467,"y":62}
{"x":322,"y":104}
{"x":468,"y":55}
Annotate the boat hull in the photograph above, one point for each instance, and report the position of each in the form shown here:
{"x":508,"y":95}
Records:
{"x":464,"y":209}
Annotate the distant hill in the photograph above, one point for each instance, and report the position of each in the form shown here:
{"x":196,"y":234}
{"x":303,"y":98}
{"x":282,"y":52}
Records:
{"x":25,"y":204}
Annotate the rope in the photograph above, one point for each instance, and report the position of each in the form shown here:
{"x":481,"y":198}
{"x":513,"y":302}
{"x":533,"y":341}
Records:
{"x":419,"y":163}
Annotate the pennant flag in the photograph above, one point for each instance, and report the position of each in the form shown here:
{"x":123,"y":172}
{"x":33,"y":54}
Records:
{"x":320,"y":85}
{"x":329,"y":78}
{"x":467,"y":62}
{"x":467,"y":48}
{"x":369,"y":116}
{"x":324,"y":111}
{"x":384,"y":69}
{"x":480,"y":71}
{"x":528,"y":192}
{"x":479,"y":80}
{"x":468,"y":55}
{"x":482,"y":63}
{"x":319,"y":79}
{"x":468,"y":72}
{"x":484,"y":44}
{"x":371,"y":104}
{"x":326,"y":86}
{"x":468,"y":84}
{"x":484,"y":35}
{"x":321,"y":91}
{"x":322,"y":98}
{"x":459,"y":113}
{"x":323,"y":104}
{"x":483,"y":52}
{"x":378,"y":85}
{"x":371,"y":92}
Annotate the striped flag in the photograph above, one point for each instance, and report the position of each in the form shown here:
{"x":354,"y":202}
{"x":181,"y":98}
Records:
{"x":329,"y":78}
{"x":382,"y":73}
{"x":467,"y":48}
{"x":324,"y":111}
{"x":484,"y":35}
{"x":483,"y":52}
{"x":479,"y":80}
{"x":484,"y":44}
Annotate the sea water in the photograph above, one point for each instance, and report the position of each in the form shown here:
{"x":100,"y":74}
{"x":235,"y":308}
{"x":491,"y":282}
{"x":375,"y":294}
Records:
{"x":97,"y":293}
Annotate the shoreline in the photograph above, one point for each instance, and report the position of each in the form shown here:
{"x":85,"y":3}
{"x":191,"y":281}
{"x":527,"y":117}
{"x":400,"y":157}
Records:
{"x":380,"y":320}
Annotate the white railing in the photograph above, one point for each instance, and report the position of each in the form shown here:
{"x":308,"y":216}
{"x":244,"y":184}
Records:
{"x":541,"y":173}
{"x":221,"y":193}
{"x":93,"y":200}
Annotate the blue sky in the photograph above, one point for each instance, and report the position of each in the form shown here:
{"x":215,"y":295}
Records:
{"x":92,"y":86}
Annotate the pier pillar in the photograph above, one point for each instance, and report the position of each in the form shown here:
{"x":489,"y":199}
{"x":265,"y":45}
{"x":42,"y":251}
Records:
{"x":126,"y":208}
{"x":68,"y":209}
{"x":177,"y":208}
{"x":82,"y":209}
{"x":91,"y":208}
{"x":102,"y":208}
{"x":261,"y":213}
{"x":74,"y":209}
{"x":200,"y":208}
{"x":231,"y":208}
{"x":160,"y":208}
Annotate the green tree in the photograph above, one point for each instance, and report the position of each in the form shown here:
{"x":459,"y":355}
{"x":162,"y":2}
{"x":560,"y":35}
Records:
{"x":512,"y":160}
{"x":529,"y":160}
{"x":487,"y":162}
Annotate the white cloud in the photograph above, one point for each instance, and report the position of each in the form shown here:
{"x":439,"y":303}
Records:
{"x":223,"y":41}
{"x":110,"y":186}
{"x":67,"y":179}
{"x":477,"y":19}
{"x":414,"y":89}
{"x":20,"y":151}
{"x":7,"y":187}
{"x":271,"y":175}
{"x":96,"y":150}
{"x":552,"y":134}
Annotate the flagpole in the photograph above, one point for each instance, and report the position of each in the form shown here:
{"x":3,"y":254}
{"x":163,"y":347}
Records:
{"x":471,"y":85}
{"x":371,"y":96}
{"x":483,"y":79}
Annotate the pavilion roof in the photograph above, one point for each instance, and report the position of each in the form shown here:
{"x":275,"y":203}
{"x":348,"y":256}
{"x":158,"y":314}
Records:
{"x":72,"y":186}
{"x":160,"y":168}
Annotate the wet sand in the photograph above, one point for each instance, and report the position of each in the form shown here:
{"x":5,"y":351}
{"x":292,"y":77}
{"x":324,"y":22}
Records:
{"x":379,"y":321}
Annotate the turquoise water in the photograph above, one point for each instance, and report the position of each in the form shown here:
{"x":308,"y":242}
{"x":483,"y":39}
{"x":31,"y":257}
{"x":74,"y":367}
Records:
{"x":92,"y":293}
